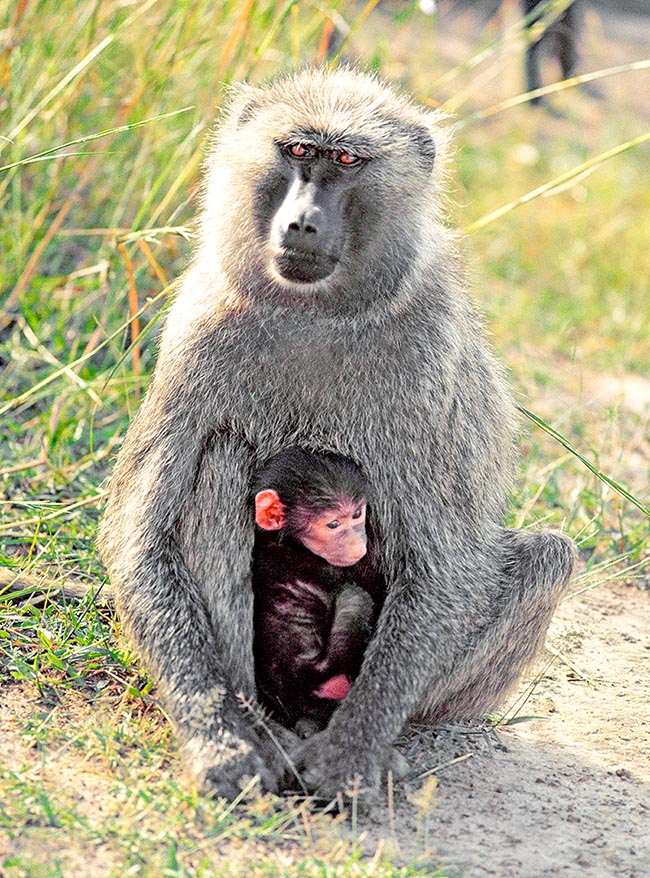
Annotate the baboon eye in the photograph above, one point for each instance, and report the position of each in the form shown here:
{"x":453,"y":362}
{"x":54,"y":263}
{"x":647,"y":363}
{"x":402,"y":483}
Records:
{"x":301,"y":151}
{"x":358,"y":512}
{"x":345,"y":158}
{"x":333,"y":524}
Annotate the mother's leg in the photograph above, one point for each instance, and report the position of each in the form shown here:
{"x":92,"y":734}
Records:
{"x":535,"y":570}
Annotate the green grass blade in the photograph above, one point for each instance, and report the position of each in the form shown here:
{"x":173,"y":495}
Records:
{"x":554,"y":88}
{"x":557,"y":182}
{"x":54,"y":151}
{"x":58,"y":88}
{"x":590,"y":466}
{"x":23,"y":397}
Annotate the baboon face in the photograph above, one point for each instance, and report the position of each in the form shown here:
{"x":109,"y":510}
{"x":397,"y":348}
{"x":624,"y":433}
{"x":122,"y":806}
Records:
{"x":337,"y":533}
{"x":327,"y":181}
{"x":307,"y":231}
{"x":317,"y":500}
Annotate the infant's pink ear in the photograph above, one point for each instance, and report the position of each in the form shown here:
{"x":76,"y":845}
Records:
{"x":270,"y":514}
{"x":335,"y":688}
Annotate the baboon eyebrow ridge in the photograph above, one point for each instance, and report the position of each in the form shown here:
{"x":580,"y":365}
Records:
{"x":323,"y":140}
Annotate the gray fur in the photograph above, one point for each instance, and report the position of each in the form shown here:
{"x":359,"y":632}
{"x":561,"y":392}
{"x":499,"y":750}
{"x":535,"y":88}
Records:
{"x":385,"y":362}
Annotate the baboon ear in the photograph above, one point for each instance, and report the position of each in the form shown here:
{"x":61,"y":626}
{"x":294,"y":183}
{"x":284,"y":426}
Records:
{"x":425,"y":144}
{"x":248,"y":112}
{"x":249,"y":100}
{"x":270,"y":513}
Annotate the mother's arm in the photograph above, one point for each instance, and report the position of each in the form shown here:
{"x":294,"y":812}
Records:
{"x":161,"y":591}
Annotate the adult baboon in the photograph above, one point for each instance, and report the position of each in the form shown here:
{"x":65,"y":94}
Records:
{"x":325,"y":308}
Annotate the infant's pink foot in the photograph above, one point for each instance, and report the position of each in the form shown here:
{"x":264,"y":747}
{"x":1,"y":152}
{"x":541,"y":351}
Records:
{"x":335,"y":688}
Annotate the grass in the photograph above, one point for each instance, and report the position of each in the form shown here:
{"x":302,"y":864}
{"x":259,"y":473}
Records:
{"x":105,"y":111}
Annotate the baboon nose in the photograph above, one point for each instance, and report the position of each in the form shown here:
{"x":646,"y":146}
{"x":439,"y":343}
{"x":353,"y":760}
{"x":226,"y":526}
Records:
{"x":308,"y":222}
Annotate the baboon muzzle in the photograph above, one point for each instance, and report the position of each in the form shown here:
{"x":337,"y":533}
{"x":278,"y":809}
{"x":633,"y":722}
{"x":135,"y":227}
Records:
{"x":306,"y":232}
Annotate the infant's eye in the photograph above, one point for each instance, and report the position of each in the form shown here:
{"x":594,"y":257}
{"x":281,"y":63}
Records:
{"x":358,"y":513}
{"x":333,"y":524}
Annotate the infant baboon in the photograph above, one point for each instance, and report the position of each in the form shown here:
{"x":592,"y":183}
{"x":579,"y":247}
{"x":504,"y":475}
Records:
{"x":315,"y":600}
{"x":325,"y":308}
